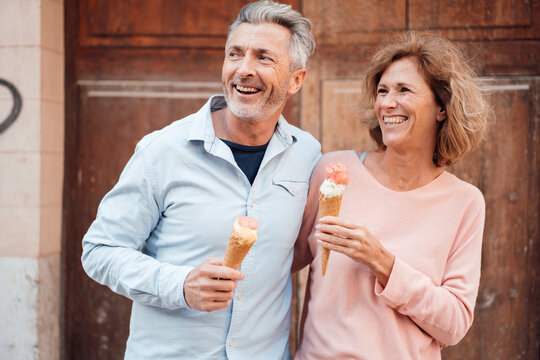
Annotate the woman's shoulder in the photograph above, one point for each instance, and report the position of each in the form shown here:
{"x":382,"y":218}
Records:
{"x":346,"y":157}
{"x":463,"y":189}
{"x":342,"y":156}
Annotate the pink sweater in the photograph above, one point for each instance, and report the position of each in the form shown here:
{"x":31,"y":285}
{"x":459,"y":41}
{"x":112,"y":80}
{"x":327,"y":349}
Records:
{"x":435,"y":233}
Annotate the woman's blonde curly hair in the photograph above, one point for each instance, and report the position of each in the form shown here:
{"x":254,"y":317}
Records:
{"x":452,"y":80}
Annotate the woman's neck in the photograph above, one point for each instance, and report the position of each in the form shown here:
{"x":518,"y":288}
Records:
{"x":402,"y":171}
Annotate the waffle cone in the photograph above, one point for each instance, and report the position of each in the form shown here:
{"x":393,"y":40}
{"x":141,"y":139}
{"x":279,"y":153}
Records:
{"x":236,"y":250}
{"x":328,"y":206}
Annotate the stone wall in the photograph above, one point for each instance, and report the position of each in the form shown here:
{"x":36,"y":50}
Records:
{"x":31,"y":168}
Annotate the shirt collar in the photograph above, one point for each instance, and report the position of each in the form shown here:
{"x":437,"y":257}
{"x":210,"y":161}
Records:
{"x":203,"y":128}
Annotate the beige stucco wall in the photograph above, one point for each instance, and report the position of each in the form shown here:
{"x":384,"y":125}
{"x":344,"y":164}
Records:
{"x":31,"y":177}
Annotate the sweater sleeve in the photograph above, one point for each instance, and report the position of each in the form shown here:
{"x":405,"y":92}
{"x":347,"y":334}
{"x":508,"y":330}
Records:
{"x":446,"y":311}
{"x":111,"y":247}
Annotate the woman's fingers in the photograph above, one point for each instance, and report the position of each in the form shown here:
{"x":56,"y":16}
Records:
{"x":354,"y":241}
{"x":332,"y":246}
{"x":334,"y":220}
{"x":336,"y":237}
{"x":350,"y":231}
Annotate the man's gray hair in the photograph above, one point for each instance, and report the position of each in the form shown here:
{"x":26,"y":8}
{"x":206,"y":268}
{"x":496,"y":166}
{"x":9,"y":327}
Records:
{"x":302,"y":43}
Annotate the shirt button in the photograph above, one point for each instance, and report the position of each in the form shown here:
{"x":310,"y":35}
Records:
{"x":251,"y":204}
{"x":239,"y":296}
{"x":293,"y":190}
{"x":231,"y":342}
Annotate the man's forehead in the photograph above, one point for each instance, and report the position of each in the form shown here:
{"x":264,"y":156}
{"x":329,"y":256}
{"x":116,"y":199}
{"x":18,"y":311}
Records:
{"x":260,"y":50}
{"x":258,"y":33}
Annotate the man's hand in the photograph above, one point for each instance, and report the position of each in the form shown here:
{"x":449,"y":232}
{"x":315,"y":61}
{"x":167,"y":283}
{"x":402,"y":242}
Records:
{"x":210,"y":285}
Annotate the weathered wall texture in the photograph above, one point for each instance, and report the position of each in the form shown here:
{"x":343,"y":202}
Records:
{"x":502,"y":40}
{"x":31,"y":168}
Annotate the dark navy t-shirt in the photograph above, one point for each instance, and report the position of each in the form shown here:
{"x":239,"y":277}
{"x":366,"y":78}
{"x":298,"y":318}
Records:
{"x":248,"y":158}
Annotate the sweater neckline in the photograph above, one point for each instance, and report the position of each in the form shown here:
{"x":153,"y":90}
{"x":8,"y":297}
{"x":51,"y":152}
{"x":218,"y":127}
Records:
{"x":438,"y":181}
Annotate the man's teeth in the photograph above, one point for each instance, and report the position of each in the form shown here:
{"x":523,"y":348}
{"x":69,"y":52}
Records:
{"x":246,"y":89}
{"x":393,"y":120}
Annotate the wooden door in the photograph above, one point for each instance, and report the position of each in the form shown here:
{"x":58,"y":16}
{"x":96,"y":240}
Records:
{"x":131,"y":67}
{"x":502,"y":40}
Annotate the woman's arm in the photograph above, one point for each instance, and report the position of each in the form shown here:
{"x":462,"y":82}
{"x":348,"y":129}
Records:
{"x":444,"y":311}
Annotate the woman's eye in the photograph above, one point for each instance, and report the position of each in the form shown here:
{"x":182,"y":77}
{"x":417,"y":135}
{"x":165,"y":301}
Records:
{"x":404,"y":89}
{"x":382,"y":91}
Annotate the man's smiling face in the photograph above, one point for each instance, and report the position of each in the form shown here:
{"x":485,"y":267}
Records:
{"x":256,"y":72}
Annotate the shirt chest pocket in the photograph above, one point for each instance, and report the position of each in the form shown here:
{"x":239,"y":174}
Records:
{"x":293,"y":187}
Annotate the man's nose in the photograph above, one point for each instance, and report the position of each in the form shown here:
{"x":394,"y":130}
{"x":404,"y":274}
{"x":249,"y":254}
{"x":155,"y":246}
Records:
{"x":246,"y":67}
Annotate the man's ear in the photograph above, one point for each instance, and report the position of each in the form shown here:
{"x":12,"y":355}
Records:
{"x":441,"y":115}
{"x":296,"y":81}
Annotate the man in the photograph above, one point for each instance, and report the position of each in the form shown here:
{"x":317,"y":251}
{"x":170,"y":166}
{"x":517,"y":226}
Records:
{"x":161,"y":231}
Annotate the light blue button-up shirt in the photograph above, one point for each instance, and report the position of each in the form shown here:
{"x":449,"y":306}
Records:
{"x":176,"y":200}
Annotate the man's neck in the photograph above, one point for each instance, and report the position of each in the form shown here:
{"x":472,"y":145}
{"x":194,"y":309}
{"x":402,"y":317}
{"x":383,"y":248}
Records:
{"x":229,"y":127}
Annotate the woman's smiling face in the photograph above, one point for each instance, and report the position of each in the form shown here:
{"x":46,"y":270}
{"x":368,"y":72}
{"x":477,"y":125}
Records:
{"x":406,"y":107}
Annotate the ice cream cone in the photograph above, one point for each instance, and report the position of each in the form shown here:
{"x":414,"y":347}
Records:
{"x":241,"y":239}
{"x":328,"y":206}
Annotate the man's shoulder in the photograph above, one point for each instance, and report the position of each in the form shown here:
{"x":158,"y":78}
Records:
{"x":176,"y":132}
{"x":179,"y":131}
{"x":304,"y":138}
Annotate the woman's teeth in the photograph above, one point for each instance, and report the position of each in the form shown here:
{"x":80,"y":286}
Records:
{"x":394,"y":120}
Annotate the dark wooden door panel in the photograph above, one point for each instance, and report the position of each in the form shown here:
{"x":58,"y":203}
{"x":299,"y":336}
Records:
{"x":114,"y":116}
{"x":506,"y":308}
{"x":132,"y":67}
{"x":506,"y":169}
{"x":165,"y":23}
{"x":135,"y":66}
{"x":502,"y":41}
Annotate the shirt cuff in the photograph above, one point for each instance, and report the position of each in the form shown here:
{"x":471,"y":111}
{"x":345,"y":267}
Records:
{"x":171,"y":286}
{"x":393,"y":292}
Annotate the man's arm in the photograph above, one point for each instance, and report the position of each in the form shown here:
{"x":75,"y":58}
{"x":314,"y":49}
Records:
{"x":111,"y":255}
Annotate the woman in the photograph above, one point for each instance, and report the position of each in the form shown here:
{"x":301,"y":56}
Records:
{"x":404,"y":269}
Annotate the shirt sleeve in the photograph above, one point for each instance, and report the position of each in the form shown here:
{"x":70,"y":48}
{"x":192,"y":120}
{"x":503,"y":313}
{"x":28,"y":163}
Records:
{"x":446,"y":311}
{"x":111,"y":248}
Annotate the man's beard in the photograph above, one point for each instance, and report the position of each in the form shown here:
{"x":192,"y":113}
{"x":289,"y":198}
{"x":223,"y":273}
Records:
{"x":262,"y":109}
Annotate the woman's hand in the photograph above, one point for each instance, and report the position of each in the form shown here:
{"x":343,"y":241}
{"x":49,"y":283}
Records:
{"x":356,"y":242}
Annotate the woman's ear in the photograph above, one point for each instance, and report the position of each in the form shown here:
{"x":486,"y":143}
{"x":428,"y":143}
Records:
{"x":441,"y":115}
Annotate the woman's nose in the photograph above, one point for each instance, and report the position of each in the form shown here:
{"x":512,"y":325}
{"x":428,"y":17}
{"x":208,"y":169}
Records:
{"x":389,"y":101}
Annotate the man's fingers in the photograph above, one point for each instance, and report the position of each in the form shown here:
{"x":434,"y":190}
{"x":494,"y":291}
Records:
{"x":214,"y":305}
{"x":220,"y":296}
{"x":210,"y":286}
{"x":214,"y":261}
{"x":221,"y":272}
{"x":213,"y":268}
{"x":218,"y":285}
